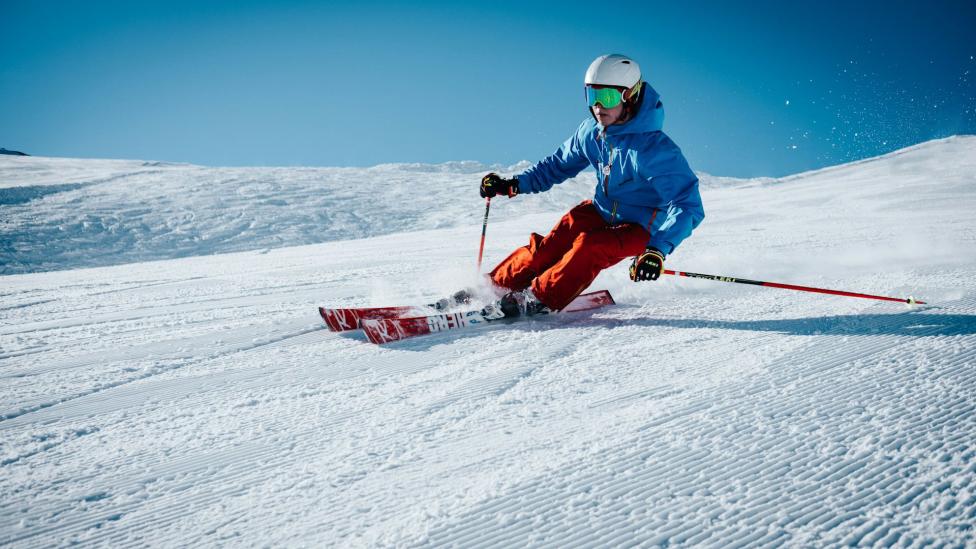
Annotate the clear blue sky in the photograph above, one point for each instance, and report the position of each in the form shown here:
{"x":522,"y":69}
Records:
{"x":759,"y":88}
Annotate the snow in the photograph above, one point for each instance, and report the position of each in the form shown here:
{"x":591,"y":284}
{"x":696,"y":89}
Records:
{"x":199,"y":399}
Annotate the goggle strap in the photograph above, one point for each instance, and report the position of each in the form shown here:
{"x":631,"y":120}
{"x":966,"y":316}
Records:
{"x":634,"y":92}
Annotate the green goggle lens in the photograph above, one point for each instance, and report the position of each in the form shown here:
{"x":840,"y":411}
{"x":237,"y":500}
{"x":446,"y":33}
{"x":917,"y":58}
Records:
{"x":608,"y":98}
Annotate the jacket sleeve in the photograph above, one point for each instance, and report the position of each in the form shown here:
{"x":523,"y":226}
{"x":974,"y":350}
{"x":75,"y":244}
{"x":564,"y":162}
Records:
{"x":684,"y":213}
{"x":568,"y":160}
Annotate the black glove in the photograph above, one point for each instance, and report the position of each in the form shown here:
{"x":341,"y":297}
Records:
{"x":647,"y":266}
{"x":493,"y":184}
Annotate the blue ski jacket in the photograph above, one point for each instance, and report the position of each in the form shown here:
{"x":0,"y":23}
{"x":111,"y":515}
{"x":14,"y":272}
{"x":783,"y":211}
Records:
{"x":642,"y":177}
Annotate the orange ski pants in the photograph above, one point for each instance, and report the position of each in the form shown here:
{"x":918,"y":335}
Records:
{"x":564,"y":263}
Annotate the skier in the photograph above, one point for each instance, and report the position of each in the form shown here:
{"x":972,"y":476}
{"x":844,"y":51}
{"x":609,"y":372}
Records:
{"x":646,"y":200}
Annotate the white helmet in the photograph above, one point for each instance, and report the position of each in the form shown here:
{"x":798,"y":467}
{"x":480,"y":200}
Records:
{"x":613,"y":70}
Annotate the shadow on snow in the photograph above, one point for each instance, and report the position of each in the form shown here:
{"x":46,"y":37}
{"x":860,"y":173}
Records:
{"x":901,"y":324}
{"x":908,"y":324}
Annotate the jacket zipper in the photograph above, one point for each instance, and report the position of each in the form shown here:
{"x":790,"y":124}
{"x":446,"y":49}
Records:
{"x":606,"y":174}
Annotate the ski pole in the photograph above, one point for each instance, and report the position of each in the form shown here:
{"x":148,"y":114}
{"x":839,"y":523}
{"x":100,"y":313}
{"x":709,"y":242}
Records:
{"x":484,"y":229}
{"x":909,"y":300}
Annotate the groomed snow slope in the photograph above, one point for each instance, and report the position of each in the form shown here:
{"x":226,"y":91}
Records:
{"x":200,"y":401}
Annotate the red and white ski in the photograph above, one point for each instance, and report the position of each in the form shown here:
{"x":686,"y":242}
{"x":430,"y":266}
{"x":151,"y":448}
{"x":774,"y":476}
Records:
{"x":385,"y":330}
{"x":341,"y":320}
{"x":344,"y":319}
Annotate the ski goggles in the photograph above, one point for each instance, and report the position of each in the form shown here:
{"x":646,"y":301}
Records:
{"x":608,"y":98}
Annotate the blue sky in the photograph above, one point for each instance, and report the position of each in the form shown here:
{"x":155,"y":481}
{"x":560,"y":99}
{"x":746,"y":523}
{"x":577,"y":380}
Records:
{"x":758,"y":88}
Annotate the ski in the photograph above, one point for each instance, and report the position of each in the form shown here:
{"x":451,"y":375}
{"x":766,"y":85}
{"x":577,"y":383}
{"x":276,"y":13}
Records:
{"x":385,"y":330}
{"x":341,"y":320}
{"x":345,"y":319}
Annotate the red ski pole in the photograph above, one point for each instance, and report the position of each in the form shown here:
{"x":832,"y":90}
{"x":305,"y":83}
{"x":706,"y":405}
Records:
{"x":484,"y":229}
{"x":909,"y":300}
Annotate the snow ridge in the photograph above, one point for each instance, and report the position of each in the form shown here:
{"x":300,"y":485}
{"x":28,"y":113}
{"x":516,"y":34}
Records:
{"x":63,"y":213}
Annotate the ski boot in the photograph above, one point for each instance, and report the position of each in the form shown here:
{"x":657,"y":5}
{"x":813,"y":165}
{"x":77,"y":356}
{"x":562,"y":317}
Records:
{"x":524,"y":303}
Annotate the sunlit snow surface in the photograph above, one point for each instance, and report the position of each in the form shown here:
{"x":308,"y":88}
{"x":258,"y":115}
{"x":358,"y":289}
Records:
{"x":201,"y":401}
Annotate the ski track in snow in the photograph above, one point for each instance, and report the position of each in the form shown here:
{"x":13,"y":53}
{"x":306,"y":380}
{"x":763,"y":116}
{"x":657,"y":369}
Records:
{"x":201,"y":401}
